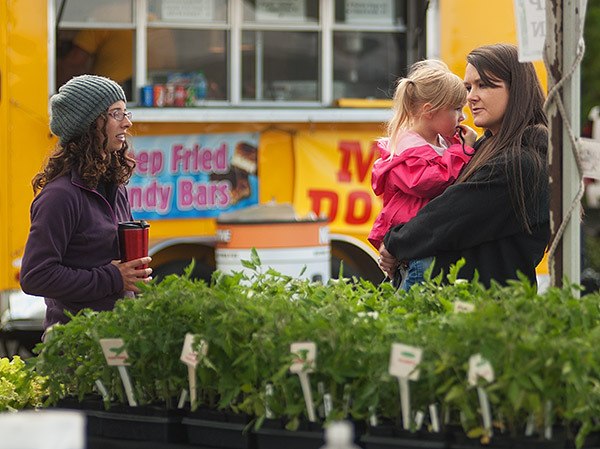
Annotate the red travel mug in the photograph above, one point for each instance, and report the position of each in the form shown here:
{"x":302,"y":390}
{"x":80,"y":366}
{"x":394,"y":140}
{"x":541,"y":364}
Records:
{"x":133,"y":240}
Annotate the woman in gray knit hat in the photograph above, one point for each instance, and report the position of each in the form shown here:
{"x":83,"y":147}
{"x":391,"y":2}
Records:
{"x":71,"y":256}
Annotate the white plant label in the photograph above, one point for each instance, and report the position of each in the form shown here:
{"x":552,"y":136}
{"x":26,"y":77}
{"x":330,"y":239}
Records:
{"x":188,"y":355}
{"x":327,"y":404}
{"x":111,"y":347}
{"x":269,"y":391}
{"x":182,"y":399}
{"x":102,"y":390}
{"x":463,"y":307}
{"x":419,"y":416}
{"x":306,"y":352}
{"x":404,"y":361}
{"x":115,"y":355}
{"x":486,"y":411}
{"x":306,"y":360}
{"x":373,"y":417}
{"x":433,"y":416}
{"x":191,"y":358}
{"x":479,"y":367}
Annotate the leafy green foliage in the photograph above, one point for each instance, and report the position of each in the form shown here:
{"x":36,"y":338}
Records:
{"x":20,"y":387}
{"x":592,"y":252}
{"x":590,"y":66}
{"x":542,"y":348}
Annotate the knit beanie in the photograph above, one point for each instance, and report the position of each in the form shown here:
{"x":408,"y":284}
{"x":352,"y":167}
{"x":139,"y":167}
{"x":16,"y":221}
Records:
{"x":79,"y":102}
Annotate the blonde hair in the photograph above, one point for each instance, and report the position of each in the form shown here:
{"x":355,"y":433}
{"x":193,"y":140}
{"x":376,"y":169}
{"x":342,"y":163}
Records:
{"x":428,"y":81}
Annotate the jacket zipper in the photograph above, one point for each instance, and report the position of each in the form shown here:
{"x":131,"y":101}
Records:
{"x":112,"y":212}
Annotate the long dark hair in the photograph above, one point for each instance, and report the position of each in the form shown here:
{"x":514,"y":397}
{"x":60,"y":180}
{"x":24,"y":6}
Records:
{"x":88,"y":156}
{"x":523,"y":132}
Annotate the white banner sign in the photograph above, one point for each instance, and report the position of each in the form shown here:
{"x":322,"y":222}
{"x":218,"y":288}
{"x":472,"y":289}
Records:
{"x":277,"y":10}
{"x":188,"y":10}
{"x":530,"y":17}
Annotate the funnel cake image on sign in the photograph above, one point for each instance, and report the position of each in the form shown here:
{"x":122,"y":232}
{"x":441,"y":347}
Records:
{"x":243,"y":164}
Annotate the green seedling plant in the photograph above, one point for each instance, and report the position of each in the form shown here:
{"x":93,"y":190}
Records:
{"x":71,"y":358}
{"x":542,"y":349}
{"x":153,"y":327}
{"x":20,"y":386}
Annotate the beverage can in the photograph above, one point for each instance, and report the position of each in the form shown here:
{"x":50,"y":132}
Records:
{"x":190,"y":98}
{"x":180,"y":95}
{"x":159,"y":95}
{"x":169,"y":94}
{"x":147,"y":96}
{"x":201,"y":85}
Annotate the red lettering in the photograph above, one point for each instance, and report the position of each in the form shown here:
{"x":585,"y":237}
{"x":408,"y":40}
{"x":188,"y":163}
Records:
{"x":318,"y":197}
{"x":344,"y":174}
{"x":352,"y":214}
{"x":351,"y":150}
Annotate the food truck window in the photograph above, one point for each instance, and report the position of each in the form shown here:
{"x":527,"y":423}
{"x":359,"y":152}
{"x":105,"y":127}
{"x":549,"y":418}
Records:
{"x":280,"y":66}
{"x":194,"y":50}
{"x":366,"y":64}
{"x":95,"y":37}
{"x":179,"y":57}
{"x":369,"y":44}
{"x":281,"y":50}
{"x":245,"y":52}
{"x":108,"y":11}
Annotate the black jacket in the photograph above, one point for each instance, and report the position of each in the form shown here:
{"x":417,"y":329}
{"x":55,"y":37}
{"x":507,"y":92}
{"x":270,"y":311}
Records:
{"x":476,"y":220}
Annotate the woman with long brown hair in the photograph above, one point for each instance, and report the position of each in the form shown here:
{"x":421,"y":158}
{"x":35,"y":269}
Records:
{"x":496,"y":215}
{"x":71,"y":255}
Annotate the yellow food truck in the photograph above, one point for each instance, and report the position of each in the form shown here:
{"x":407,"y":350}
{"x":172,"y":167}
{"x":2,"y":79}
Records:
{"x":236,"y":104}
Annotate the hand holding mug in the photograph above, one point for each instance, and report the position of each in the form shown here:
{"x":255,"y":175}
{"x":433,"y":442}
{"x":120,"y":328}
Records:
{"x":132,"y":274}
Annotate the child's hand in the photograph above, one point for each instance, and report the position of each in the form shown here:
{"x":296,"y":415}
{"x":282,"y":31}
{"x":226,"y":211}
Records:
{"x":469,"y":134}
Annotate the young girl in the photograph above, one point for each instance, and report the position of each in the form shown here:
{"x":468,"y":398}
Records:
{"x":423,"y":154}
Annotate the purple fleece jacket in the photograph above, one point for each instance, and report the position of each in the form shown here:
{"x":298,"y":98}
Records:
{"x":72,"y":241}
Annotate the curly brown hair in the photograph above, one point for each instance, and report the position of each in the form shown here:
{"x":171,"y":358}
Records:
{"x":87,"y":155}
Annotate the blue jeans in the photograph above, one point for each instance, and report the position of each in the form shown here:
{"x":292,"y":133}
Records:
{"x":415,"y":272}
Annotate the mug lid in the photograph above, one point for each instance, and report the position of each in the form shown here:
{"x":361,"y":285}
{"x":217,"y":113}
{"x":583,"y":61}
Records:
{"x":136,"y":224}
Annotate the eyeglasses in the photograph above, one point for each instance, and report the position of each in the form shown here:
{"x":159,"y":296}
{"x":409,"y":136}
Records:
{"x":119,"y":115}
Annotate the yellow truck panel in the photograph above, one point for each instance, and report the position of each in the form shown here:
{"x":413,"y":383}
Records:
{"x":24,"y":125}
{"x":466,"y":24}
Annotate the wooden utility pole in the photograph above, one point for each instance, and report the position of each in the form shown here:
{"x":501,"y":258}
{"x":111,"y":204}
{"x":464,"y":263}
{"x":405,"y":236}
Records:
{"x":563,"y":30}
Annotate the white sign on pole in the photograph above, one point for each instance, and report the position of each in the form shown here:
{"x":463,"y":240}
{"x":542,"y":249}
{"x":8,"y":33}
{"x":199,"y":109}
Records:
{"x":530,"y":17}
{"x":589,"y":153}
